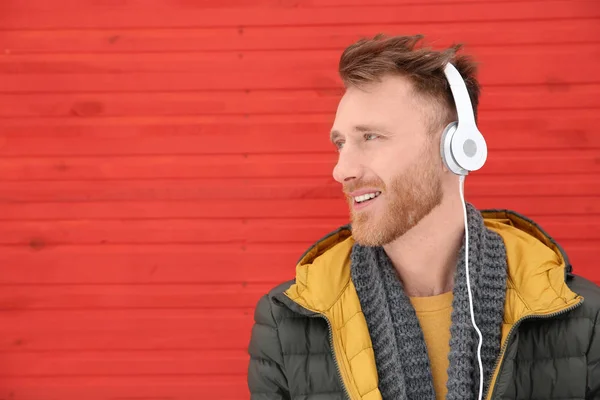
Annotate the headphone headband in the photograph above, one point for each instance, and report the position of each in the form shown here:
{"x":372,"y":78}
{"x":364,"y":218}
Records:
{"x":464,"y":108}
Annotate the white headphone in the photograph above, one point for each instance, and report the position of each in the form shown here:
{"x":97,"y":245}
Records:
{"x":463,"y":147}
{"x":463,"y":150}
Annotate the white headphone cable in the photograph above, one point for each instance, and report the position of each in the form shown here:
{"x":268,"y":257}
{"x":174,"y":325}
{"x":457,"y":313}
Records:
{"x":462,"y":197}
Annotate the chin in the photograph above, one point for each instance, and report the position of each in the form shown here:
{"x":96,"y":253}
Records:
{"x":370,"y":234}
{"x":373,"y":231}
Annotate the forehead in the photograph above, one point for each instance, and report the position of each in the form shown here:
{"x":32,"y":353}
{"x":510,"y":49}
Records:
{"x":387,"y":103}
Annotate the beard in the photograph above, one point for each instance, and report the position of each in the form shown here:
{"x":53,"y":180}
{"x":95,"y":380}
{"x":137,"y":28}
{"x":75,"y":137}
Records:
{"x":410,"y":197}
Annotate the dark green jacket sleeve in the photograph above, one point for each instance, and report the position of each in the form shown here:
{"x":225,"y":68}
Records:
{"x":593,"y":390}
{"x":266,"y":379}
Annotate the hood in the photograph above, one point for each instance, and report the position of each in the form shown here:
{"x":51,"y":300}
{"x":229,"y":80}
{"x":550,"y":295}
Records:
{"x":537,"y":268}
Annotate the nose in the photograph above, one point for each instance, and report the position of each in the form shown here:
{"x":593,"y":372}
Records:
{"x":347,"y":168}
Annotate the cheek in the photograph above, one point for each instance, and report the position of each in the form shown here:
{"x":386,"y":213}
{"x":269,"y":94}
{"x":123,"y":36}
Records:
{"x":390,"y":164}
{"x":401,"y":171}
{"x":386,"y":174}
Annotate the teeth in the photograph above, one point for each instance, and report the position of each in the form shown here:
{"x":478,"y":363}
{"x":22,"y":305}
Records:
{"x":365,"y":197}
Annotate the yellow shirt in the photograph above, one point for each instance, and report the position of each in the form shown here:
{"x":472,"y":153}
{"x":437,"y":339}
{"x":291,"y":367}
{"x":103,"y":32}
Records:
{"x":434,"y":314}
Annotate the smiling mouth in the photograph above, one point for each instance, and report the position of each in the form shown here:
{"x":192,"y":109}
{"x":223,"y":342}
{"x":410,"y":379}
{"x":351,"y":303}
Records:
{"x":365,"y":198}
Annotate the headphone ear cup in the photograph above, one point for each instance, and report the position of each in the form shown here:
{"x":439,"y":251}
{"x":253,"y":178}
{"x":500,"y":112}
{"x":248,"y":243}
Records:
{"x":446,"y":149}
{"x":468,"y":148}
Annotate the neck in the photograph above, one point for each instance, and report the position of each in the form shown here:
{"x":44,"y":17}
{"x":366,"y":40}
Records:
{"x":425,"y":257}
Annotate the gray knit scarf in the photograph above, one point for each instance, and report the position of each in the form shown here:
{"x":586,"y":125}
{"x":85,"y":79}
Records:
{"x":400,"y":351}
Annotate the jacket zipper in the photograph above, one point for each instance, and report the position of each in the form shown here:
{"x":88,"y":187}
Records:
{"x":500,"y":359}
{"x":335,"y":361}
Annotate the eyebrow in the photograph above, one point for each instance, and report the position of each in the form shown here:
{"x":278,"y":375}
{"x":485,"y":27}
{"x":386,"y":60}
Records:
{"x":358,"y":128}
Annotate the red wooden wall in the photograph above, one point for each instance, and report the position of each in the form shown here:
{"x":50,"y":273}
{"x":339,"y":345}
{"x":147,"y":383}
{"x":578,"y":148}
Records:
{"x":163,"y":163}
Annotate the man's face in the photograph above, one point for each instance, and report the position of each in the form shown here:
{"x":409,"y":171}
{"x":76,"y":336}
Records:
{"x":386,"y":151}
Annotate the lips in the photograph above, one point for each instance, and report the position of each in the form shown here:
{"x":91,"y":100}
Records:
{"x":363,"y":198}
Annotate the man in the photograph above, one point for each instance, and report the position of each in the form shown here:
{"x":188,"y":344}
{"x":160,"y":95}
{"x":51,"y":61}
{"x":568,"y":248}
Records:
{"x":381,"y":309}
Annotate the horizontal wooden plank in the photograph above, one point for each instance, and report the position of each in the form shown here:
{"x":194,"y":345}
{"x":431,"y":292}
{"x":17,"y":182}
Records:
{"x":551,"y":207}
{"x":157,"y":296}
{"x":255,"y":5}
{"x":473,"y":33}
{"x":555,"y":95}
{"x":205,"y":190}
{"x":223,"y":231}
{"x":167,"y":81}
{"x":136,"y":15}
{"x":203,"y":63}
{"x":123,"y":363}
{"x":256,"y":209}
{"x":184,"y":137}
{"x":180,"y":387}
{"x":191,"y":263}
{"x":39,"y":5}
{"x":531,"y":58}
{"x":125,"y":329}
{"x":535,"y":64}
{"x":307,"y":208}
{"x":266,"y":102}
{"x":524,"y":130}
{"x":199,"y":103}
{"x":287,"y":188}
{"x":317,"y":165}
{"x":200,"y":320}
{"x":343,"y":3}
{"x":189,"y":231}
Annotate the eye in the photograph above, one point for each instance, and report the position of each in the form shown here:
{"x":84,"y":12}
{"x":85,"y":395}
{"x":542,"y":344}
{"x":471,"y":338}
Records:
{"x":370,"y":136}
{"x":338,"y":144}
